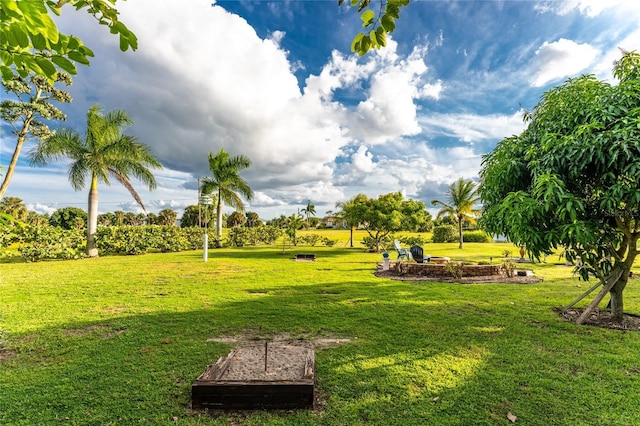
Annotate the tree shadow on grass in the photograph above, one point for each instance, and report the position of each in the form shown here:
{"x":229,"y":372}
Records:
{"x":428,"y":354}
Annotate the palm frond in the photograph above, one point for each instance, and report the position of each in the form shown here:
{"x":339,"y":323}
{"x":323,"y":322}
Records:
{"x":125,"y":182}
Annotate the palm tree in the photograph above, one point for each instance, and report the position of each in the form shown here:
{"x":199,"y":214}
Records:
{"x":13,"y":206}
{"x":103,"y":153}
{"x":166,"y":217}
{"x":462,"y":195}
{"x":310,"y":210}
{"x":225,"y":182}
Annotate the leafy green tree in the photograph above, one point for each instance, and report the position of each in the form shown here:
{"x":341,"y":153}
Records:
{"x":107,"y":219}
{"x":235,"y":219}
{"x":253,"y":220}
{"x":387,"y":214}
{"x":196,"y":216}
{"x":68,"y":218}
{"x":226,"y":183}
{"x":36,"y":219}
{"x":167,"y":217}
{"x":29,"y":113}
{"x":461,"y":198}
{"x":378,"y":25}
{"x":151,"y":219}
{"x":278,"y":222}
{"x":103,"y":153}
{"x":570,"y":179}
{"x":31,"y":43}
{"x":132,"y":219}
{"x":14,"y":207}
{"x":118,"y":218}
{"x":349,"y":213}
{"x":294,"y":222}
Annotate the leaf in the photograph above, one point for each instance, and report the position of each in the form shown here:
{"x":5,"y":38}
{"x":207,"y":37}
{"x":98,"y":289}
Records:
{"x":355,"y":44}
{"x":78,"y":57}
{"x":46,"y":66}
{"x":39,"y":42}
{"x":511,"y":417}
{"x":20,"y":36}
{"x":381,"y":37}
{"x":64,"y":63}
{"x":367,"y":18}
{"x":435,"y":399}
{"x":6,"y":72}
{"x":388,"y":23}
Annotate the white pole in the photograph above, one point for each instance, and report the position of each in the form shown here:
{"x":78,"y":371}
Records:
{"x":205,"y":254}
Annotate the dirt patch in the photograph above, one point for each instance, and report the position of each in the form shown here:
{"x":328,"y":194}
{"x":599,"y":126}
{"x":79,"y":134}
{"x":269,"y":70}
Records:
{"x":602,"y":318}
{"x":6,"y":354}
{"x":464,"y":280}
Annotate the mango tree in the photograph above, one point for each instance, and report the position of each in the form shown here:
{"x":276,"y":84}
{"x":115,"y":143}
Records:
{"x":387,"y":214}
{"x":570,"y":180}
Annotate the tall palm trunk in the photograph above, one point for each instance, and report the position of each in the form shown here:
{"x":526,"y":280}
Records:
{"x":351,"y":237}
{"x":460,"y":219}
{"x":92,"y":218}
{"x":219,"y":221}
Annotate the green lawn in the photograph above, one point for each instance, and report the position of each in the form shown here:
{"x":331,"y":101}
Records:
{"x":118,"y":340}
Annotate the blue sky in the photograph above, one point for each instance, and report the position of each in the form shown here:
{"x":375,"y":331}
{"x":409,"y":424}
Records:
{"x":276,"y":81}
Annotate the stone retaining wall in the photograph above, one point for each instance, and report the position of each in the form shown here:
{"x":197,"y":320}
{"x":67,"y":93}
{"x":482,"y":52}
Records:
{"x":435,"y":270}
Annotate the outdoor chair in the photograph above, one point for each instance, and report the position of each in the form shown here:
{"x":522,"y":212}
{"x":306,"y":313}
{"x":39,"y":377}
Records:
{"x":418,"y":254}
{"x":402,"y":252}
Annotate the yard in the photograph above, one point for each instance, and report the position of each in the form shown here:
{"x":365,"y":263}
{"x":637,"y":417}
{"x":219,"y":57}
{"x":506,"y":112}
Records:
{"x":119,"y":340}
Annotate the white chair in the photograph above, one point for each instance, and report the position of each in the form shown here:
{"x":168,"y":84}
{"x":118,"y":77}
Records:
{"x":402,"y":252}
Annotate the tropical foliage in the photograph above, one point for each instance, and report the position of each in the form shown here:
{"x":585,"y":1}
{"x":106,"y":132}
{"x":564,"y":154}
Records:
{"x":461,"y":198}
{"x":387,"y":214}
{"x":226,"y":183}
{"x":377,"y":25}
{"x":30,"y":111}
{"x":31,"y":43}
{"x":570,"y":179}
{"x":103,"y":153}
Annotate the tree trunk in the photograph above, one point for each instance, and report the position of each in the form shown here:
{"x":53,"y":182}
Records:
{"x":351,"y":238}
{"x":460,"y":231}
{"x":14,"y":159}
{"x":92,"y":218}
{"x":219,"y":224}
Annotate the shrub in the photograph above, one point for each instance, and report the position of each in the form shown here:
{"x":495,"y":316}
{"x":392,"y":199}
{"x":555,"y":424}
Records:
{"x":310,"y":239}
{"x":49,"y":242}
{"x":253,"y":236}
{"x":455,"y":268}
{"x":508,"y":266}
{"x":385,"y":242}
{"x":329,"y":242}
{"x":476,"y":237}
{"x":412,"y":241}
{"x":445,"y":234}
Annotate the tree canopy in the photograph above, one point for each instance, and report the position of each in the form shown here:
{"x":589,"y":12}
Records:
{"x":31,"y":43}
{"x":387,"y":214}
{"x":571,"y":178}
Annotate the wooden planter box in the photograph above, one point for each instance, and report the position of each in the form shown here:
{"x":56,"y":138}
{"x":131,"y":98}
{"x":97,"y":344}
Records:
{"x":240,"y":380}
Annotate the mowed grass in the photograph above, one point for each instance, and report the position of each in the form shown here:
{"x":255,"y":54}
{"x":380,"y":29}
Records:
{"x":119,"y":340}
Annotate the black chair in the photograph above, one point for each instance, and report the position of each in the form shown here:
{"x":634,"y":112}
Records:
{"x":417,"y":253}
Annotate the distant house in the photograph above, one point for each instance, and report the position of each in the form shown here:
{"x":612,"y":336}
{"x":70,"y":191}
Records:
{"x":334,"y":222}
